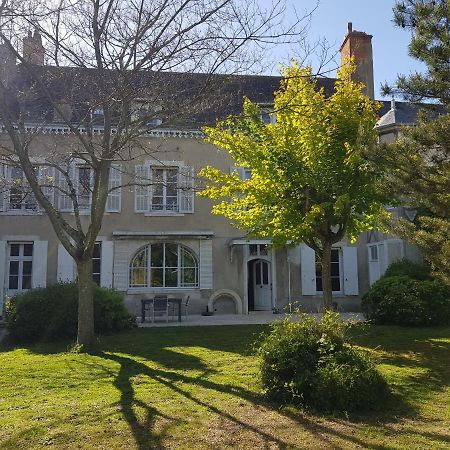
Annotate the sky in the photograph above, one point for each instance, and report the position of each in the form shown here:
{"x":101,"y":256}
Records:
{"x":329,"y":21}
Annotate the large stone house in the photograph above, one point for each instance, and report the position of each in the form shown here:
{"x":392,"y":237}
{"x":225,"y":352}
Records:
{"x":163,"y":238}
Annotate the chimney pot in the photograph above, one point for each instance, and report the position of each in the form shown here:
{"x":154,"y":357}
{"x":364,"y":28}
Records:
{"x":33,"y":50}
{"x":350,"y":27}
{"x":393,"y":103}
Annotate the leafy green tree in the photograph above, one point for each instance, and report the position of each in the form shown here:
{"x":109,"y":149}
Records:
{"x":310,"y":181}
{"x":418,"y":164}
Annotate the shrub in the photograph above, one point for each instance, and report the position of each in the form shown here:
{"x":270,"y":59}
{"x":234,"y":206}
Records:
{"x":310,"y":364}
{"x":410,"y":269}
{"x":401,"y":300}
{"x":51,"y":313}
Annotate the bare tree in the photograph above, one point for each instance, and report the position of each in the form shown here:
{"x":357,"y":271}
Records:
{"x":108,"y":71}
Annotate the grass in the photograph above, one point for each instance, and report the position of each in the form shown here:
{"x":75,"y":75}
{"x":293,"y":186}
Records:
{"x":197,"y":388}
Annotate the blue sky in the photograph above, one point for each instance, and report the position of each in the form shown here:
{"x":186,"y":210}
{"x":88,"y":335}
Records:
{"x":329,"y":21}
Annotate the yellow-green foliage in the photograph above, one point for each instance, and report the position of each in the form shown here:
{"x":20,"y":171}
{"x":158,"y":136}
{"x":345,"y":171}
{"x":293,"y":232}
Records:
{"x":309,"y":172}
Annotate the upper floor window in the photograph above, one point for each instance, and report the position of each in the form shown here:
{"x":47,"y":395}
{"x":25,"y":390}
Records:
{"x":164,"y":189}
{"x":164,"y":265}
{"x":19,"y":196}
{"x":147,"y":112}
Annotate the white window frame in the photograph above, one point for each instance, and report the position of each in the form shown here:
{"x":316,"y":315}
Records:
{"x":21,"y":258}
{"x":147,"y":268}
{"x":23,"y":210}
{"x":164,"y":208}
{"x":341,"y":279}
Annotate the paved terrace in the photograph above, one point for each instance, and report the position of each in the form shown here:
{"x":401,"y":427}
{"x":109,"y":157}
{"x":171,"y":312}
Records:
{"x":254,"y":318}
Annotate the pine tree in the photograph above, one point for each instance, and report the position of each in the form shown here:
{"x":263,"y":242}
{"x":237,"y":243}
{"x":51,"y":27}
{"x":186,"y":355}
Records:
{"x":419,"y":162}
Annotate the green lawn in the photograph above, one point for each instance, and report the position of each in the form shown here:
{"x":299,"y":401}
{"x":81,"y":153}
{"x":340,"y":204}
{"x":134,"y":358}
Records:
{"x":197,"y":388}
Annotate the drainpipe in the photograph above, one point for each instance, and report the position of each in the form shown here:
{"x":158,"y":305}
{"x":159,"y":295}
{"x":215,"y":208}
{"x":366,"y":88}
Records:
{"x":289,"y":279}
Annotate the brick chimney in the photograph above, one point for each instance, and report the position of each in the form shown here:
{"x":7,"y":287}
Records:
{"x":33,"y":50}
{"x":358,"y":45}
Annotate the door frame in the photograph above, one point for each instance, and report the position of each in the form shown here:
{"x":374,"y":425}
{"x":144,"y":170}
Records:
{"x":270,"y":258}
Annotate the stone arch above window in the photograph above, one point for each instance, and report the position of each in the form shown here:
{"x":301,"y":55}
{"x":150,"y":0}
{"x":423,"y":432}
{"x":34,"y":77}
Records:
{"x":164,"y":265}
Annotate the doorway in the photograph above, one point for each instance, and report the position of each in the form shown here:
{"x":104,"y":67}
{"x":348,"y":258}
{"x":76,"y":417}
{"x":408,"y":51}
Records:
{"x":259,"y":285}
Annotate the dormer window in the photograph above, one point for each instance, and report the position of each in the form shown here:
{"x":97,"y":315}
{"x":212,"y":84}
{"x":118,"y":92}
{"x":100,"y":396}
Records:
{"x":268,"y":115}
{"x":147,"y":112}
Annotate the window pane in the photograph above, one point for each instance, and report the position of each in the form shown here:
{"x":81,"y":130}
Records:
{"x":374,"y":253}
{"x":13,"y":282}
{"x":334,"y":269}
{"x":335,"y":255}
{"x":156,"y":277}
{"x":258,"y":273}
{"x":27,"y":267}
{"x":15,"y":198}
{"x":157,"y":255}
{"x":96,"y":278}
{"x":263,"y":249}
{"x":140,"y":260}
{"x":97,"y":248}
{"x":253,"y":249}
{"x":265,"y":268}
{"x":187,"y":259}
{"x":335,"y":284}
{"x":14,"y":249}
{"x":28,"y":249}
{"x":189,"y":277}
{"x":171,"y":255}
{"x":138,"y":278}
{"x":171,"y":277}
{"x":318,"y":284}
{"x":95,"y":266}
{"x":14,"y":267}
{"x":26,"y":282}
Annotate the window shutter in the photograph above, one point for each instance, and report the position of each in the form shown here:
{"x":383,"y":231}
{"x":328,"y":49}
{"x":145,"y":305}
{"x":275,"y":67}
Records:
{"x":46,"y":179}
{"x":39,"y":271}
{"x":3,"y":247}
{"x":106,"y":264}
{"x":64,"y":201}
{"x":186,"y":189}
{"x":142,"y":193}
{"x":121,"y":269}
{"x":206,"y":264}
{"x":350,"y":263}
{"x":308,"y":269}
{"x":374,"y":265}
{"x":66,"y":266}
{"x":113,"y":203}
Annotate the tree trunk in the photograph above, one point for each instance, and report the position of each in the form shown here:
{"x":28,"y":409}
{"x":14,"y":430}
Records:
{"x":326,"y":276}
{"x":86,"y":333}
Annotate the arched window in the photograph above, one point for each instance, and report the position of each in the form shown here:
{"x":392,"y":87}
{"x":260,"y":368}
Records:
{"x":164,"y":265}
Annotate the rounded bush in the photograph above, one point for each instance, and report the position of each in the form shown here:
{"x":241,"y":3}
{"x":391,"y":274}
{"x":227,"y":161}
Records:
{"x":401,"y":300}
{"x":410,"y":269}
{"x":51,"y":313}
{"x":310,"y":364}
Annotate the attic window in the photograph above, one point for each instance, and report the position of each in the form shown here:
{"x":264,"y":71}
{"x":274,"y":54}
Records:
{"x":144,"y":110}
{"x":268,"y":115}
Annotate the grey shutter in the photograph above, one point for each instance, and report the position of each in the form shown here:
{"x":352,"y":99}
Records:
{"x":106,"y":264}
{"x":3,"y":247}
{"x":66,"y":266}
{"x":308,"y":270}
{"x":46,"y":178}
{"x":350,"y":268}
{"x":186,"y":189}
{"x":206,"y":264}
{"x":113,"y":203}
{"x":39,"y":271}
{"x":120,"y":267}
{"x":374,"y":264}
{"x":64,"y":201}
{"x":142,"y":193}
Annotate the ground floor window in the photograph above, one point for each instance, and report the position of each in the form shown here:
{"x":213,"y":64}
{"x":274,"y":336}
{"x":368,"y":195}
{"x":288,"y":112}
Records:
{"x":335,"y":271}
{"x":20,"y":265}
{"x":164,"y":265}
